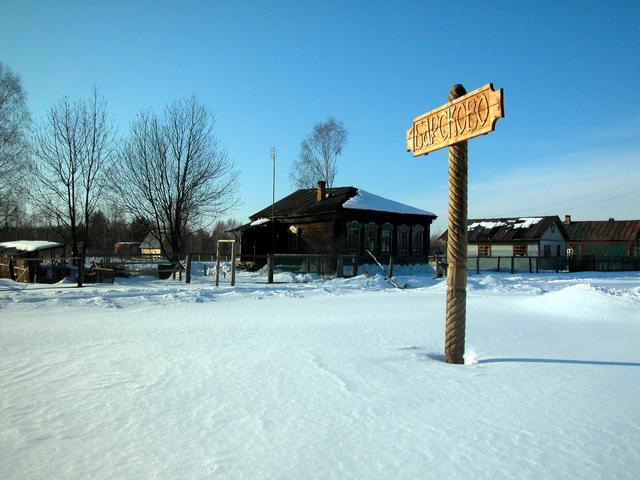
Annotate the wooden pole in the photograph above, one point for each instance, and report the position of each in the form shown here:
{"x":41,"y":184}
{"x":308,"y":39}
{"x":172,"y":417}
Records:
{"x":187,"y":278}
{"x":512,"y":265}
{"x":270,"y":268}
{"x":12,"y":270}
{"x":233,"y":264}
{"x":81,"y":272}
{"x":354,"y":269}
{"x":218,"y":264}
{"x":457,"y":247}
{"x":390,"y":266}
{"x":339,"y":271}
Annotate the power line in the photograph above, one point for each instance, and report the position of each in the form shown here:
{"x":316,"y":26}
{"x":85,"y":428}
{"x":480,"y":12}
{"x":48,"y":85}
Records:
{"x":606,"y":199}
{"x":569,"y":200}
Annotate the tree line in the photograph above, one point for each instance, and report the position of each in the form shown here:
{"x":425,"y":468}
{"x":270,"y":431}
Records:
{"x":87,"y":186}
{"x":69,"y":176}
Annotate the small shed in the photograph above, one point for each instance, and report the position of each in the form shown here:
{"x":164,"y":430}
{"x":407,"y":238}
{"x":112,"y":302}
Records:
{"x":32,"y":261}
{"x":127,"y":249}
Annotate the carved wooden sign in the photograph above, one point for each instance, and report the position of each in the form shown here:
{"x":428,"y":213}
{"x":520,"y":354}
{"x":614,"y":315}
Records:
{"x":473,"y":114}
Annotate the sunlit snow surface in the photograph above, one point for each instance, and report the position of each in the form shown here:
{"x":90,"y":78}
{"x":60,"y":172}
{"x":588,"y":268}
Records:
{"x":31,"y":245}
{"x":316,"y":379}
{"x":523,"y":222}
{"x":364,"y":200}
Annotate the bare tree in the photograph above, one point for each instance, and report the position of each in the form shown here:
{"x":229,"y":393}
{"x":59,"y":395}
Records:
{"x":319,"y":154}
{"x":73,"y":148}
{"x":14,"y":124}
{"x":173,"y":174}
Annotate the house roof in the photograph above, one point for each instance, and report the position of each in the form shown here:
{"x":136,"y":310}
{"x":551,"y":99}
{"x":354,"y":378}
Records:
{"x":509,"y":229}
{"x":303,"y":202}
{"x":603,"y":231}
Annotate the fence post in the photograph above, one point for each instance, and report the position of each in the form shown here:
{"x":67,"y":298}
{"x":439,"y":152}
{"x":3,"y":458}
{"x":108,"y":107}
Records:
{"x":439,"y":266}
{"x":270,"y":268}
{"x":513,"y":259}
{"x":339,"y":271}
{"x":537,"y":264}
{"x":530,"y":268}
{"x":217,"y":264}
{"x":354,"y":270}
{"x":81,"y":272}
{"x":308,"y":263}
{"x":390,"y":266}
{"x":233,"y":264}
{"x":187,"y":278}
{"x":498,"y":264}
{"x":12,"y":270}
{"x":478,"y":265}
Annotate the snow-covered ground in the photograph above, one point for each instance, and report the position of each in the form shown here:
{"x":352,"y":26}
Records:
{"x":313,"y":379}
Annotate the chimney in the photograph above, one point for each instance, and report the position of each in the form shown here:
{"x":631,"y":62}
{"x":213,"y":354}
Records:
{"x":321,"y":191}
{"x":567,"y":219}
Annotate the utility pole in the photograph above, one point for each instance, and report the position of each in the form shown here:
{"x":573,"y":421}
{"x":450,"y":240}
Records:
{"x":273,"y":202}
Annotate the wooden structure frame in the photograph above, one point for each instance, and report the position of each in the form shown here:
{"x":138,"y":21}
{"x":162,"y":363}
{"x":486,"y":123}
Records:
{"x":233,"y":261}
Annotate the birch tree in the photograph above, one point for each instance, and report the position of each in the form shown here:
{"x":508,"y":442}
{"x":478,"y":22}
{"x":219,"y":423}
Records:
{"x":319,"y":152}
{"x":14,"y":125}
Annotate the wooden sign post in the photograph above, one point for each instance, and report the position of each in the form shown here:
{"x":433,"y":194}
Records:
{"x":467,"y":115}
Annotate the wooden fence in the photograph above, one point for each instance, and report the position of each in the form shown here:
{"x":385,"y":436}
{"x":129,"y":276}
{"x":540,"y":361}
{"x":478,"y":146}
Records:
{"x":575,"y":263}
{"x":53,"y":269}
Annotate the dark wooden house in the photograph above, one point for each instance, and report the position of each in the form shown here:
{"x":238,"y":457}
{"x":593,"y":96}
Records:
{"x":614,"y":238}
{"x":337,"y":221}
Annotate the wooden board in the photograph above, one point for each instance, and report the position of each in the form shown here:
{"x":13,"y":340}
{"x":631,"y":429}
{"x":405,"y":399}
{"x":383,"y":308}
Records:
{"x":473,"y":114}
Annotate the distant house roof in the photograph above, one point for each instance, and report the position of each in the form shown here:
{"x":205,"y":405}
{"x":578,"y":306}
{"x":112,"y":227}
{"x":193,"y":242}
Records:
{"x":29,"y":246}
{"x":509,"y":229}
{"x":303,"y":202}
{"x":603,"y":231}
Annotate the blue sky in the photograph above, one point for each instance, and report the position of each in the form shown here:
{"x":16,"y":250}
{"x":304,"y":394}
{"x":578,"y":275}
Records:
{"x":569,"y":142}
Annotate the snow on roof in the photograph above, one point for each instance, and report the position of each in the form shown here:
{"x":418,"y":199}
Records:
{"x":31,"y":245}
{"x":260,"y":221}
{"x":523,"y":222}
{"x":368,"y":201}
